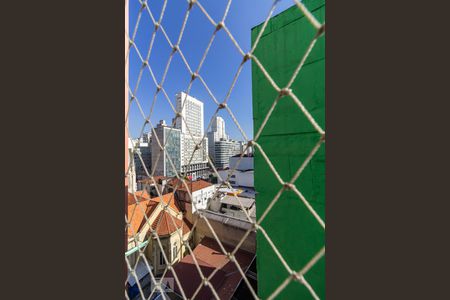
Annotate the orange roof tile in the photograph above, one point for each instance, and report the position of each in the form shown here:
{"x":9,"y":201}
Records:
{"x":192,"y":185}
{"x":164,"y":224}
{"x":139,"y":194}
{"x":135,"y":212}
{"x":168,"y":198}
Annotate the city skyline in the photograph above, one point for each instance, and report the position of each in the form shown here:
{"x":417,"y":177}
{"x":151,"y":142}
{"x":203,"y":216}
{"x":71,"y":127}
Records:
{"x":217,"y":72}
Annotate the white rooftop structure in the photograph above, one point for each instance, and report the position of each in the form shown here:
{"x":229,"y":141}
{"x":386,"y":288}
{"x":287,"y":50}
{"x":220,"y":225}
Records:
{"x":237,"y":201}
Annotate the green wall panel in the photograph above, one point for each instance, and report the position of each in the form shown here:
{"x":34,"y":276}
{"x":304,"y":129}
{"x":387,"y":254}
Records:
{"x":287,"y":140}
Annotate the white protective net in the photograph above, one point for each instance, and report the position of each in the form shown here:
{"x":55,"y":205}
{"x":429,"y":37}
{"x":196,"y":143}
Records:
{"x":156,"y":230}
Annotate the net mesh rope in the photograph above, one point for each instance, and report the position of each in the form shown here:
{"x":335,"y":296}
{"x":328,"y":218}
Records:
{"x":195,"y":75}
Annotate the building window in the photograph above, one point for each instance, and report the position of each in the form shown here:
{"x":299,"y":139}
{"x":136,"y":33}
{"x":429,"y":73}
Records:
{"x":233,"y":207}
{"x":174,"y":252}
{"x":162,"y":261}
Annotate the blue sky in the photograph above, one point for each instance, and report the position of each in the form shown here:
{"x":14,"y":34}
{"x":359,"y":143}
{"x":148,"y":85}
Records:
{"x":218,"y":69}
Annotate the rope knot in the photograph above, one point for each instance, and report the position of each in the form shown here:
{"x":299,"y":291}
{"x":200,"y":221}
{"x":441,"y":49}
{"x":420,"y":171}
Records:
{"x":288,"y":186}
{"x":320,"y":31}
{"x":285,"y":92}
{"x":191,"y":3}
{"x":247,"y":56}
{"x":219,"y":26}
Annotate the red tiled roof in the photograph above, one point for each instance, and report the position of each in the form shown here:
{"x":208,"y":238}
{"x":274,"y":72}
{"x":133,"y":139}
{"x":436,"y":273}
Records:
{"x":192,"y":185}
{"x":209,"y":256}
{"x":164,"y":225}
{"x":168,"y":198}
{"x":190,"y":278}
{"x":135,"y":213}
{"x":140,"y":195}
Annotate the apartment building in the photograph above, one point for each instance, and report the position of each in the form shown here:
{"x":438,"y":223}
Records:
{"x":202,"y":193}
{"x":220,"y":146}
{"x":142,"y":158}
{"x":243,"y":172}
{"x":194,"y":162}
{"x":170,"y":138}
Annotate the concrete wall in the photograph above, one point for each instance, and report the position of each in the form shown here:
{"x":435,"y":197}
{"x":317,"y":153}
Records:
{"x":239,"y":178}
{"x":215,"y":203}
{"x":246,"y":163}
{"x":226,"y":233}
{"x":200,"y":197}
{"x":243,"y":179}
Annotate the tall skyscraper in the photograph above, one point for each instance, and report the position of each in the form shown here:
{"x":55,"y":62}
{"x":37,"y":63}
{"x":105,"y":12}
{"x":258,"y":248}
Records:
{"x":193,"y":162}
{"x":220,"y":147}
{"x":192,"y":111}
{"x":171,"y":138}
{"x":218,"y":125}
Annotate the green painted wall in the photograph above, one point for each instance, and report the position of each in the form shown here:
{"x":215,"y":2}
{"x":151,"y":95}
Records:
{"x":287,"y":140}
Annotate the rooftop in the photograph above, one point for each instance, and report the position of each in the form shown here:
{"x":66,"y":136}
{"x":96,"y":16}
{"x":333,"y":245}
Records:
{"x":169,"y":199}
{"x":139,"y":195}
{"x":148,"y":205}
{"x":192,"y":185}
{"x":165,"y":224}
{"x":209,"y":257}
{"x":235,"y":200}
{"x":137,"y":211}
{"x":228,"y":191}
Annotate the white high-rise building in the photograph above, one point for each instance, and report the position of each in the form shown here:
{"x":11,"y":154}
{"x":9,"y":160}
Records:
{"x":218,"y":125}
{"x":224,"y":149}
{"x":221,"y":148}
{"x":191,"y":126}
{"x":192,"y":111}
